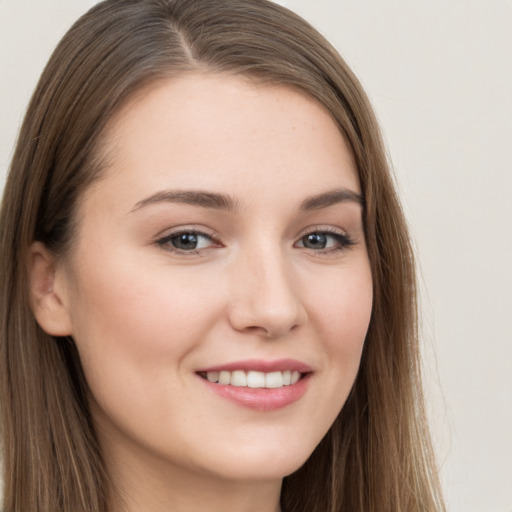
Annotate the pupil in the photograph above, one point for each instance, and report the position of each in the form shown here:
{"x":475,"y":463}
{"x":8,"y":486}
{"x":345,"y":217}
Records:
{"x":316,"y":241}
{"x":185,"y":241}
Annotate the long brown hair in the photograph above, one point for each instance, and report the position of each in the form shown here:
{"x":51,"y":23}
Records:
{"x":377,"y":455}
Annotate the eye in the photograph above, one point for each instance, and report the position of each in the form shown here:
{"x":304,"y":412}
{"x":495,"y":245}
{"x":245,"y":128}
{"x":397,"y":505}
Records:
{"x":325,"y":241}
{"x":187,"y":241}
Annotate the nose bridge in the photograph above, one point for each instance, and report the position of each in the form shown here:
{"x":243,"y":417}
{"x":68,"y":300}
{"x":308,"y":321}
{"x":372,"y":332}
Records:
{"x":265,"y":298}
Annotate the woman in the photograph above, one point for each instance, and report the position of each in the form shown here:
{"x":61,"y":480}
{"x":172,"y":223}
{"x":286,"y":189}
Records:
{"x":208,"y":295}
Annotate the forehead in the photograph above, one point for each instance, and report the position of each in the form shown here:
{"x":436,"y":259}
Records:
{"x":205,"y":130}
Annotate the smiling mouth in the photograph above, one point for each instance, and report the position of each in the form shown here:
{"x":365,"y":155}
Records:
{"x":253,"y":379}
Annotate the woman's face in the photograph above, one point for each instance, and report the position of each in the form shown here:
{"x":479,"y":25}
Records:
{"x":220,"y":258}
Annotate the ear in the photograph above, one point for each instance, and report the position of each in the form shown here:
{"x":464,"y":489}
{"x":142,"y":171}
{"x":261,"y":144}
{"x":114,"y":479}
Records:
{"x":48,"y":292}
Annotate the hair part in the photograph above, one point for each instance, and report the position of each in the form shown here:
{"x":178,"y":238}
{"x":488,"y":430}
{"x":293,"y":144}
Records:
{"x":377,"y":455}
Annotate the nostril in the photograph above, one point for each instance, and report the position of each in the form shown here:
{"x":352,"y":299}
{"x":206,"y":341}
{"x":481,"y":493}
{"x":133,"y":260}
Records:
{"x":268,"y":332}
{"x":263,"y":331}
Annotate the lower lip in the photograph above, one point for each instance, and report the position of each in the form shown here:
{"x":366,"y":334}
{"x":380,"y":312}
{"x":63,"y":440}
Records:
{"x":262,"y":399}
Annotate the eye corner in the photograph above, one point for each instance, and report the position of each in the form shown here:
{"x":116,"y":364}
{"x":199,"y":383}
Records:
{"x":188,"y":241}
{"x":325,"y":241}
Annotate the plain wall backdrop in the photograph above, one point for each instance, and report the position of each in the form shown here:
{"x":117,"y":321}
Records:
{"x":439,"y":74}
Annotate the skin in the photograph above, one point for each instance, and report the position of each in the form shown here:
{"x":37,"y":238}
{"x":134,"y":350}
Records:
{"x":146,"y":317}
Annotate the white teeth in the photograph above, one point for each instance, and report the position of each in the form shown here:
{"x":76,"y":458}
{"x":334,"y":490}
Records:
{"x":274,"y":380}
{"x":238,"y":378}
{"x":256,"y":379}
{"x":252,"y":379}
{"x":213,"y":376}
{"x":225,"y":378}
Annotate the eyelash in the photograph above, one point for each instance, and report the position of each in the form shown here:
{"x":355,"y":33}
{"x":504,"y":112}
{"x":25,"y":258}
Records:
{"x":343,"y":241}
{"x":166,"y":241}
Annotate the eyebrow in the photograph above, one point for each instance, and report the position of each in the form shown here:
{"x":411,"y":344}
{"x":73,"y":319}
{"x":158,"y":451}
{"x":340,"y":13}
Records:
{"x":192,"y":197}
{"x":326,"y":199}
{"x":225,"y":202}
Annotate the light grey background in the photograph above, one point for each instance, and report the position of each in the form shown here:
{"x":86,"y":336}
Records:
{"x":440,"y":76}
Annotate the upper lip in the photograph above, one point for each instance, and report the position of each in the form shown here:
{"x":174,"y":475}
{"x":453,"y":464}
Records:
{"x":260,"y":365}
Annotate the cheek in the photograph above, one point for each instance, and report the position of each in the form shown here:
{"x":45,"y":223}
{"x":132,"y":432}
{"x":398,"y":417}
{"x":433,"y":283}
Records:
{"x":149,"y":308}
{"x":131,"y":332}
{"x":133,"y":337}
{"x":340,"y":313}
{"x":342,"y":317}
{"x":343,"y":310}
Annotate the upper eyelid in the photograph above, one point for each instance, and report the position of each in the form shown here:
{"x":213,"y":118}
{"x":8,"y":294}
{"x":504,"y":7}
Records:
{"x":322,"y":229}
{"x":164,"y":242}
{"x":167,"y":235}
{"x":200,"y":230}
{"x":335,"y":234}
{"x":344,"y":238}
{"x":217,"y":239}
{"x":212,"y":234}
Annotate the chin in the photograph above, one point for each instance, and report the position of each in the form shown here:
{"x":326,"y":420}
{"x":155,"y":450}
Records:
{"x":262,"y":461}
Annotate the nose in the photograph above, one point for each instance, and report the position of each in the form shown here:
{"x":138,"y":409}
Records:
{"x":265,"y":298}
